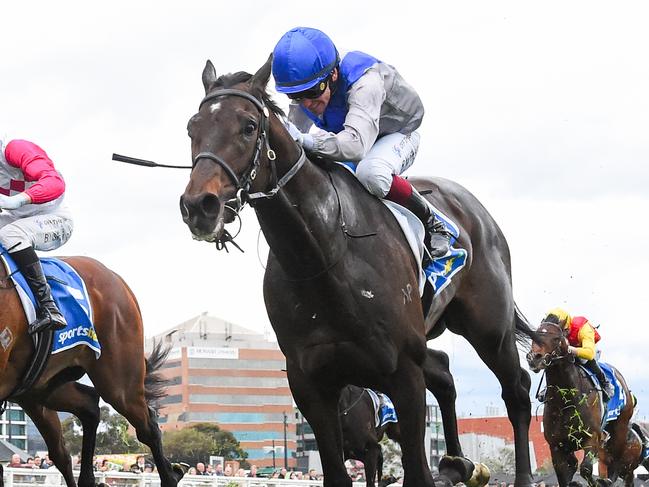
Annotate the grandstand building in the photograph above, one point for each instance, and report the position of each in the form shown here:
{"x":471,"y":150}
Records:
{"x":232,"y":376}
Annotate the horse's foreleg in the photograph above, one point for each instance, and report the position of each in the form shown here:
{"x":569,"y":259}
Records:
{"x":83,"y":402}
{"x":370,"y":462}
{"x":49,"y":426}
{"x":440,"y":382}
{"x":319,"y":405}
{"x":407,"y":390}
{"x":379,"y":465}
{"x":586,"y":467}
{"x":565,"y":465}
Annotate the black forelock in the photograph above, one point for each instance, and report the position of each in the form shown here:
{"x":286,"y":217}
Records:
{"x":552,"y":319}
{"x":232,"y":79}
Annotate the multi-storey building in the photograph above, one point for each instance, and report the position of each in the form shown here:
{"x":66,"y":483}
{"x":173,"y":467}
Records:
{"x":224,"y":373}
{"x":13,"y":426}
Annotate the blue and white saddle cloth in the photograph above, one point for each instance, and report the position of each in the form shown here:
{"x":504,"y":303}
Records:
{"x":614,"y":407}
{"x":69,"y":292}
{"x":384,"y":411}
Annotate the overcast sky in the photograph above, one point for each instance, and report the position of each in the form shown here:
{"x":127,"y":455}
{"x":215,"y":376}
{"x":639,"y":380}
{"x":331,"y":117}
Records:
{"x":541,"y":109}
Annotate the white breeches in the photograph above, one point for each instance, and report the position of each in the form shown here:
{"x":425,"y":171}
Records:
{"x":391,"y":154}
{"x":46,"y":231}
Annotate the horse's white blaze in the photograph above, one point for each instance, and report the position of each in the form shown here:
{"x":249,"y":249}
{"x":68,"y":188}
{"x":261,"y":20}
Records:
{"x":216,"y":106}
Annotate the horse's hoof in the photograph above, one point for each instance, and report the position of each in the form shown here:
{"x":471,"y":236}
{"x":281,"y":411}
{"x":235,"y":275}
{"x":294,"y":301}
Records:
{"x":442,"y":482}
{"x":179,"y":469}
{"x":456,"y":469}
{"x":480,"y":477}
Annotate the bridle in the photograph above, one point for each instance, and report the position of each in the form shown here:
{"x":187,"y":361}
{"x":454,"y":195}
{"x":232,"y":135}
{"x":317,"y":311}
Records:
{"x":551,"y":357}
{"x":243,"y":183}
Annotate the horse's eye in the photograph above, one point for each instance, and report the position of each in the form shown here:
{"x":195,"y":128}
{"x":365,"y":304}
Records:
{"x":250,"y":128}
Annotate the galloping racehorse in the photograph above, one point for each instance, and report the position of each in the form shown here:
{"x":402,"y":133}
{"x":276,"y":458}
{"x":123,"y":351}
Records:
{"x":121,"y":375}
{"x":573,"y":413}
{"x":341,"y":283}
{"x":361,"y":435}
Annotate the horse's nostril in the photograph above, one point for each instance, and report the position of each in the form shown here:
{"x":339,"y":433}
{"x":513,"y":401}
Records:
{"x":209,"y":204}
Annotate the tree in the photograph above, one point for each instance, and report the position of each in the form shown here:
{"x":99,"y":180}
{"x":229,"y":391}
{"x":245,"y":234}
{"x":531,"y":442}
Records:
{"x":71,"y":434}
{"x":197,"y":442}
{"x":503,"y":462}
{"x":391,"y":457}
{"x":112,"y":434}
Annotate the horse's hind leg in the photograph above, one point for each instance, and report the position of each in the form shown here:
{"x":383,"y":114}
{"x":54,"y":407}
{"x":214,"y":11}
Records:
{"x":49,"y":426}
{"x":83,"y":402}
{"x":128,"y":398}
{"x":487,"y":322}
{"x":440,"y":382}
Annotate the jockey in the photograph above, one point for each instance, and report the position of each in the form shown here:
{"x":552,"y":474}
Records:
{"x":33,"y":217}
{"x":582,"y":337}
{"x":367,"y":114}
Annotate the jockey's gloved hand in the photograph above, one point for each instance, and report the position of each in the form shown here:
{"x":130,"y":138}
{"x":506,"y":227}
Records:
{"x":305,"y":140}
{"x":15,"y":201}
{"x":572,"y":350}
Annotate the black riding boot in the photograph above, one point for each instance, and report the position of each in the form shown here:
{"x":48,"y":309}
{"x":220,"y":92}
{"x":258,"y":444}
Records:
{"x":47,"y":314}
{"x":436,"y":238}
{"x":607,"y":388}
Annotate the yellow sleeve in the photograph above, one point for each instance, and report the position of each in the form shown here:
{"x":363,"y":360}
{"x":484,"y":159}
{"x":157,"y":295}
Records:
{"x":587,"y":340}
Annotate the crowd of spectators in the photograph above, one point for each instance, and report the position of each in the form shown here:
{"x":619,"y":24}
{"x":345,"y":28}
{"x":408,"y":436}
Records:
{"x":31,"y":462}
{"x":144,"y":465}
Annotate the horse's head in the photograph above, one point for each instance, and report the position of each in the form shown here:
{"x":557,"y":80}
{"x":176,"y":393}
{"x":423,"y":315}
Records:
{"x":549,"y":344}
{"x":229,"y":137}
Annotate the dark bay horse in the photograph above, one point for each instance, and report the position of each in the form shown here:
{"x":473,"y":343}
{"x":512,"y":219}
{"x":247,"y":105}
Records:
{"x":361,"y":436}
{"x":121,"y":376}
{"x":573,"y":413}
{"x":341,"y":283}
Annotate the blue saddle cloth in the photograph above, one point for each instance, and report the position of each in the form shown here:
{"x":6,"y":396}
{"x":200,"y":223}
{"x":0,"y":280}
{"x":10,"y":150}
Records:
{"x":440,"y":271}
{"x":383,"y":408}
{"x":69,"y":292}
{"x":616,"y":403}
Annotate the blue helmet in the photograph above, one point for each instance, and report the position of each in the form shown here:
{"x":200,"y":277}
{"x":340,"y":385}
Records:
{"x":302,"y":58}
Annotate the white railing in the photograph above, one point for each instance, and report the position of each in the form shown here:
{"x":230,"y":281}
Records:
{"x":23,"y":477}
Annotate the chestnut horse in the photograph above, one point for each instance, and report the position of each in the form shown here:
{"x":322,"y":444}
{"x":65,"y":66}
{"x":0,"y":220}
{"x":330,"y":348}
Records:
{"x":121,"y":376}
{"x":341,"y":282}
{"x":573,"y":412}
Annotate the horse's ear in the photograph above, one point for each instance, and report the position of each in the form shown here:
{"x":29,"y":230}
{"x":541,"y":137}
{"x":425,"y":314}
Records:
{"x":209,"y":76}
{"x":261,"y":77}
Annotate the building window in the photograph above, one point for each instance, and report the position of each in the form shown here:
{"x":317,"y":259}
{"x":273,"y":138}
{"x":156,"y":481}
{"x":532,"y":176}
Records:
{"x":173,"y":399}
{"x":241,"y":364}
{"x":237,"y":381}
{"x":14,"y":415}
{"x":246,"y":399}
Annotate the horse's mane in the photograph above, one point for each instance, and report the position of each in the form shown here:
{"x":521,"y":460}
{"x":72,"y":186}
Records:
{"x":231,"y":79}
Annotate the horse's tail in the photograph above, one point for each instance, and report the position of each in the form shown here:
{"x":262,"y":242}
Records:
{"x":155,"y":386}
{"x":524,"y":332}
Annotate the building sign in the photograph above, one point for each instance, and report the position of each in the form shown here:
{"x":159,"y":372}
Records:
{"x":174,"y":353}
{"x":213,"y":352}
